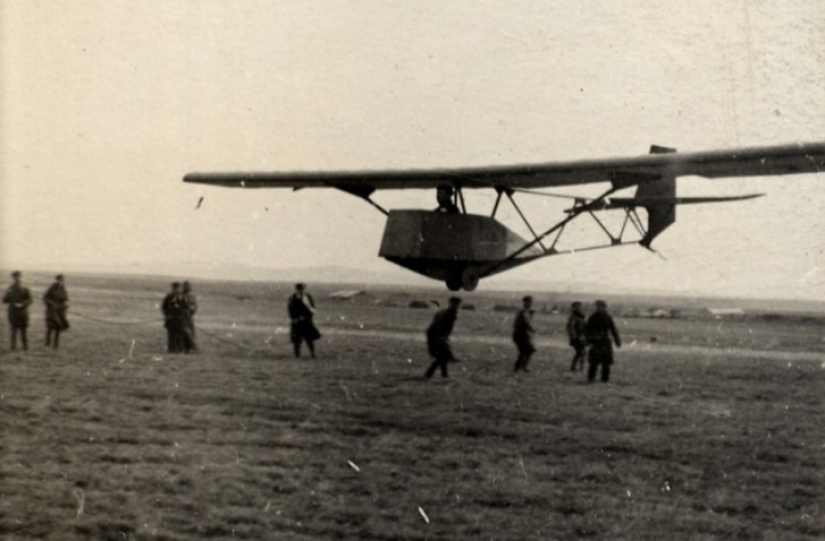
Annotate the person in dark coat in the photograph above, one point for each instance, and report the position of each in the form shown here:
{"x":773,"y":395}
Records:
{"x":301,"y":308}
{"x":523,"y":334}
{"x":56,"y":300}
{"x":438,"y":338}
{"x":19,"y":299}
{"x":173,"y":315}
{"x":599,"y":330}
{"x":576,"y":337}
{"x":190,"y":306}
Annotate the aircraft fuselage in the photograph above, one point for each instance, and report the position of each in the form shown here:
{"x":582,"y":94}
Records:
{"x":454,"y":248}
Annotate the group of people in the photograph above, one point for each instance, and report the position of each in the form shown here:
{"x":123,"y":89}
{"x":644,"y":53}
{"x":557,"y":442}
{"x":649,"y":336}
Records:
{"x":19,"y":298}
{"x":598,"y":332}
{"x":179,"y":307}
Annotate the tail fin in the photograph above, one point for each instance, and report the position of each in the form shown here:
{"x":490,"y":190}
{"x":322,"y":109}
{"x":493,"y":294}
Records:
{"x":659,"y":215}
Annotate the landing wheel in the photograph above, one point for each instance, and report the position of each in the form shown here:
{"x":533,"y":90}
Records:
{"x":469,"y":280}
{"x":454,"y":284}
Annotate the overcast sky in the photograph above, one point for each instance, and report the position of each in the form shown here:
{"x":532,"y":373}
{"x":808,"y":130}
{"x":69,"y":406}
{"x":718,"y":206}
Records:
{"x":107,"y":104}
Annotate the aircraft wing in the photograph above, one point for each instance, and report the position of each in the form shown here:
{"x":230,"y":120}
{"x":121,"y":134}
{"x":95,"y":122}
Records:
{"x":622,"y":172}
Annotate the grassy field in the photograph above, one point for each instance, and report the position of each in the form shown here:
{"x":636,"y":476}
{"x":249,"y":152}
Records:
{"x":710,"y":429}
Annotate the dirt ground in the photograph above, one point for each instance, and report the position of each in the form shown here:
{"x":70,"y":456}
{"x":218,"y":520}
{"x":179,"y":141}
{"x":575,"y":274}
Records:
{"x":709,"y":429}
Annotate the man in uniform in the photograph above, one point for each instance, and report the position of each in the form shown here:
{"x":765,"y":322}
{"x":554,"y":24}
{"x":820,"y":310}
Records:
{"x":173,"y":315}
{"x":190,"y":306}
{"x":599,"y":329}
{"x":438,"y":338}
{"x":301,"y":308}
{"x":575,"y":334}
{"x":523,"y":334}
{"x":18,"y":298}
{"x":57,"y":301}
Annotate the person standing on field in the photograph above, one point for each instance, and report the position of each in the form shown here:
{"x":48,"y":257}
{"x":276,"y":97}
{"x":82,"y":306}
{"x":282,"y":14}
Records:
{"x":190,"y":306}
{"x":438,"y":338}
{"x":301,"y":308}
{"x":523,"y":334}
{"x":575,"y":334}
{"x":18,"y":298}
{"x":173,"y":316}
{"x":57,"y":302}
{"x":599,"y":330}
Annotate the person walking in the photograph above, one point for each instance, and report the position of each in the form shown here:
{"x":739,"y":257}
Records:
{"x":576,"y":337}
{"x":19,"y":298}
{"x":438,"y":338}
{"x":301,"y":308}
{"x":523,"y":334}
{"x":599,"y":330}
{"x":56,"y":300}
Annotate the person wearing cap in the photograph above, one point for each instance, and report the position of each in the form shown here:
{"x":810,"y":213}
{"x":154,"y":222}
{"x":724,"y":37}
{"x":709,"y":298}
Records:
{"x":599,"y":330}
{"x":438,"y":338}
{"x":18,"y":298}
{"x":190,"y":306}
{"x":523,"y":334}
{"x":173,"y":316}
{"x":575,"y":334}
{"x":301,"y":308}
{"x":56,"y":300}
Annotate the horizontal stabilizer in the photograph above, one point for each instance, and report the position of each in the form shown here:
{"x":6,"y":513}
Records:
{"x":631,"y":202}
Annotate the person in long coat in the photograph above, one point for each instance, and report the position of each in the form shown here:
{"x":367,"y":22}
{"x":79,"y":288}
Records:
{"x":19,"y":299}
{"x":438,"y":338}
{"x":523,"y":334}
{"x":599,"y":330}
{"x":56,"y":300}
{"x":173,"y":317}
{"x":190,"y":306}
{"x":576,"y":337}
{"x":301,"y":309}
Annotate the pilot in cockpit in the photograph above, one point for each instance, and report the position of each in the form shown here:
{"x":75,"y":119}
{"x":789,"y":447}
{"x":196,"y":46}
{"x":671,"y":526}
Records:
{"x":444,"y":196}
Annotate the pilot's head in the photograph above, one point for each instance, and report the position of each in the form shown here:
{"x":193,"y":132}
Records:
{"x":455,"y":301}
{"x":15,"y":276}
{"x":300,"y":286}
{"x":444,"y":194}
{"x":601,"y":306}
{"x":527,"y":301}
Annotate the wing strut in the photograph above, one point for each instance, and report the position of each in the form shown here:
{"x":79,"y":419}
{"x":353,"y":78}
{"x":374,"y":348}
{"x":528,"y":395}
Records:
{"x":499,"y":192}
{"x":459,"y":198}
{"x":363,"y":192}
{"x":515,"y":206}
{"x":580,"y":207}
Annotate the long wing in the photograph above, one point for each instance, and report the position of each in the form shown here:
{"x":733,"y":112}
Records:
{"x":754,"y":161}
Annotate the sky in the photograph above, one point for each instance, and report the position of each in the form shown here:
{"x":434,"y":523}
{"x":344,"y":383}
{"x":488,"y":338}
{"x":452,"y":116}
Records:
{"x":105,"y":105}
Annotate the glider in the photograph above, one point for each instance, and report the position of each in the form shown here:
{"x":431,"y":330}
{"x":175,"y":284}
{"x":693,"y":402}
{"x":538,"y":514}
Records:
{"x":460,"y":248}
